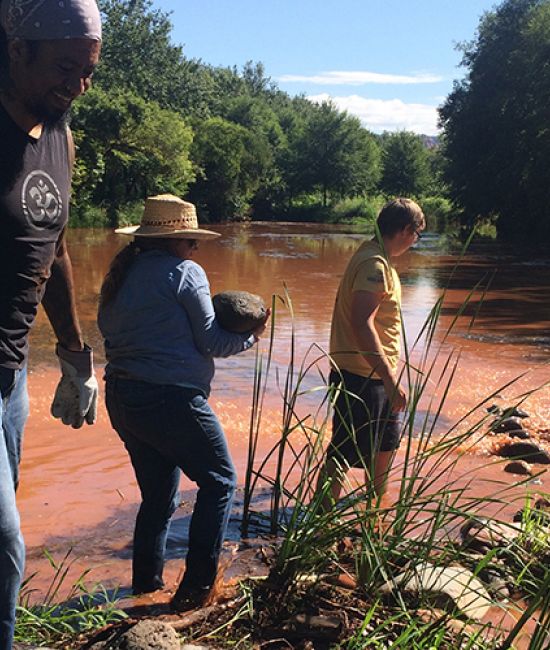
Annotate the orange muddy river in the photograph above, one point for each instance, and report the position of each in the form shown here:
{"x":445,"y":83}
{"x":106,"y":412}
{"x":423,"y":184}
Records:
{"x":77,"y":488}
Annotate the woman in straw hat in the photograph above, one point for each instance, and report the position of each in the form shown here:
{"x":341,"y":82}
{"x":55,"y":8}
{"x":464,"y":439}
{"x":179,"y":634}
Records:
{"x":161,"y":335}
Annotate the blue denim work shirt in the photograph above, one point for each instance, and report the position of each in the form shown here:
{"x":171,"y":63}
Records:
{"x":161,"y":326}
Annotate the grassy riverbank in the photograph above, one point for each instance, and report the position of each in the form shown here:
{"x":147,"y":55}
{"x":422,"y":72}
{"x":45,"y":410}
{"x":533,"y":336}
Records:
{"x":66,"y":611}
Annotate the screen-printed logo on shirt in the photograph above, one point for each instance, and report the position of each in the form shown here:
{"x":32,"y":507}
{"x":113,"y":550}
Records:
{"x":41,"y":199}
{"x":377,"y":276}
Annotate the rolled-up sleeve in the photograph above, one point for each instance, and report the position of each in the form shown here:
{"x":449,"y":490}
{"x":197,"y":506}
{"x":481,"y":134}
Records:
{"x":193,"y":294}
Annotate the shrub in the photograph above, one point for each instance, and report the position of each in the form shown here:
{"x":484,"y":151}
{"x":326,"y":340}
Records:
{"x":438,"y":211}
{"x":358,"y":209}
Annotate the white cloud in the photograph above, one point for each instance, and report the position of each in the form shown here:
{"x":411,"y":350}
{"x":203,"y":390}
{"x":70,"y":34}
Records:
{"x":386,"y":115}
{"x":360,"y":78}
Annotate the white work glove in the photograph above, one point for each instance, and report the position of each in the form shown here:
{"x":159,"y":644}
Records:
{"x":75,"y":399}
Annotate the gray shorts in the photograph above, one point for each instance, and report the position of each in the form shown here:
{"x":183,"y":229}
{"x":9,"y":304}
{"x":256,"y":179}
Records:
{"x":362,"y":424}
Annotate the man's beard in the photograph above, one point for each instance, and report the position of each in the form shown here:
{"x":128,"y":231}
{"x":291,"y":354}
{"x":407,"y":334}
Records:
{"x":59,"y":120}
{"x":47,"y":115}
{"x":44,"y":112}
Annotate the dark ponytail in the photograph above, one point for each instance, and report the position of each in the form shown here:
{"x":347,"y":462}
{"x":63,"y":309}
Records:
{"x":120,"y":266}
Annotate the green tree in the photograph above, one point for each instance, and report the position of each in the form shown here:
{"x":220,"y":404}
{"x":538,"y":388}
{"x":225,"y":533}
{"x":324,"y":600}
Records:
{"x":405,"y":165}
{"x":138,"y":54}
{"x":332,"y":153}
{"x":230,"y":162}
{"x":124,"y":153}
{"x":256,"y":115}
{"x":496,"y":133}
{"x":254,"y":78}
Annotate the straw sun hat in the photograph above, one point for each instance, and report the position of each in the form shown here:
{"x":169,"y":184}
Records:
{"x":168,"y":216}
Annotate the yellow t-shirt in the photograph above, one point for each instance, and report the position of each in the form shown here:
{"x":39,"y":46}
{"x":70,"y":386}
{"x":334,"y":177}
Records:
{"x":368,"y":270}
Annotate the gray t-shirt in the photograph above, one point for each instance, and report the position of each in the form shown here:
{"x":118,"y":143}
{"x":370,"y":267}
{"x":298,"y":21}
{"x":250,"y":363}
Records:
{"x":34,"y":207}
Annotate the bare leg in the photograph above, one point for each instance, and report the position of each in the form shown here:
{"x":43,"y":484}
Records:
{"x":377,"y":488}
{"x":382,"y":466}
{"x":332,"y":472}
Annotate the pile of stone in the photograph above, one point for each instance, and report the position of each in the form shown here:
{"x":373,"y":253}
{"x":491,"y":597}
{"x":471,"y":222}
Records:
{"x":521,"y":449}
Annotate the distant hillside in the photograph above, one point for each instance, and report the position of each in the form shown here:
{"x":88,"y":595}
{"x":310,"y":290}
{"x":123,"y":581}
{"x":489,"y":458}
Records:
{"x":430,"y":141}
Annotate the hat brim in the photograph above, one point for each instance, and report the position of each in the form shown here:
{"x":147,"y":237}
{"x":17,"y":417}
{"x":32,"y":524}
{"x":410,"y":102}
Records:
{"x":188,"y":233}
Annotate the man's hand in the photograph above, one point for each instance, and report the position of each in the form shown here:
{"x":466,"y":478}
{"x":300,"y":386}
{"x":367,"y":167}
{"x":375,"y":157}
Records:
{"x":364,"y":307}
{"x":396,"y":395}
{"x":75,"y":399}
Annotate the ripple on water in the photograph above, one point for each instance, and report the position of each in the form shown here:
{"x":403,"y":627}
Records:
{"x":288,"y":255}
{"x":486,"y":337}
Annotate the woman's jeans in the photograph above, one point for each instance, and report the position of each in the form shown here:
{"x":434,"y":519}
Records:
{"x":14,"y":409}
{"x":167,"y":428}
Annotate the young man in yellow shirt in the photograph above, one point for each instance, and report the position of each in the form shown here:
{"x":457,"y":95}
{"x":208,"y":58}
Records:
{"x":364,"y":348}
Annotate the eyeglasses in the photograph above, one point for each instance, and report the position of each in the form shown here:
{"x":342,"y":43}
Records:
{"x":418,"y":234}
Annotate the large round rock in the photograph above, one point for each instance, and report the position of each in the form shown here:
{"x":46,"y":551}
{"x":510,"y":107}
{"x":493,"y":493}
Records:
{"x":147,"y":634}
{"x":239,"y":311}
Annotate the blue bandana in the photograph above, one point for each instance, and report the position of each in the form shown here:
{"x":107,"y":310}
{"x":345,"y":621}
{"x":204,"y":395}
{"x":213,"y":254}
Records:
{"x":44,"y":20}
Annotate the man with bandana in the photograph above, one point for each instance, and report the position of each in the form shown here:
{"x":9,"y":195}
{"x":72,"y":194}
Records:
{"x":48,"y":51}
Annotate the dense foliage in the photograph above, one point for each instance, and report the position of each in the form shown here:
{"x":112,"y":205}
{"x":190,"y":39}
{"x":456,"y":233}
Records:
{"x":496,"y":129}
{"x":239,"y":147}
{"x":229,"y":140}
{"x":124,"y":151}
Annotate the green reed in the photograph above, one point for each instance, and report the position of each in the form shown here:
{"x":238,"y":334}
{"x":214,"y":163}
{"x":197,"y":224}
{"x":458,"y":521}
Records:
{"x":56,"y":618}
{"x":434,"y":501}
{"x":258,"y":395}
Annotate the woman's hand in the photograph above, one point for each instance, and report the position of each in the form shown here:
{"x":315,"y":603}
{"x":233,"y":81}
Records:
{"x":257,"y":333}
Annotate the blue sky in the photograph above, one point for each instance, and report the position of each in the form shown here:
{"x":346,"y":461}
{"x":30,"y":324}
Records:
{"x":390,"y":62}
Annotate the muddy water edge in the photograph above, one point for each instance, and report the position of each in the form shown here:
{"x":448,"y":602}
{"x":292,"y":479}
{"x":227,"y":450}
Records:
{"x":77,"y":488}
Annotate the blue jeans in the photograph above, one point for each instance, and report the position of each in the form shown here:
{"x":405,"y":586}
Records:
{"x":167,"y":429}
{"x":14,"y":410}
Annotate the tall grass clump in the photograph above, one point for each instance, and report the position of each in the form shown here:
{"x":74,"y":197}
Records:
{"x":66,"y":610}
{"x":381,"y":545}
{"x":357,"y":210}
